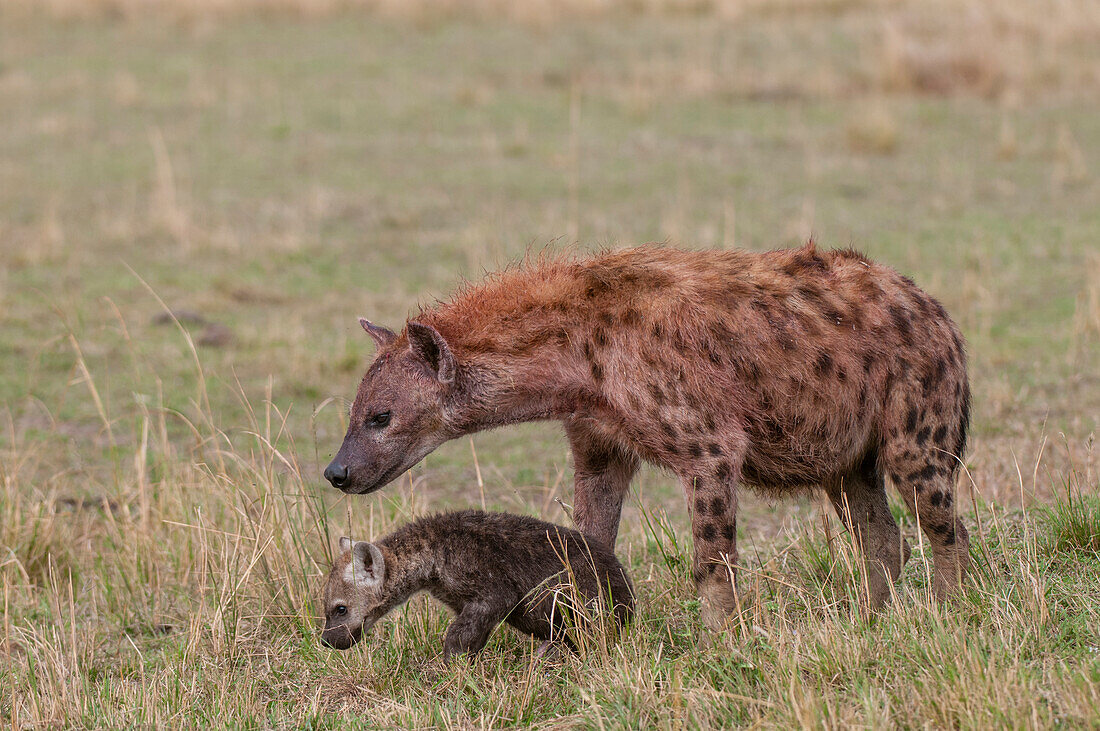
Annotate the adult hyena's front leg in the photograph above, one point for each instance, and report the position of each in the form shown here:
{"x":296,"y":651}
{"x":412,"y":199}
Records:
{"x":712,"y":502}
{"x":601,"y":478}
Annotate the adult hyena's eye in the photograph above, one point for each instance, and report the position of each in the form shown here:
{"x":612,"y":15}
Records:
{"x":379,"y":420}
{"x":339,"y":610}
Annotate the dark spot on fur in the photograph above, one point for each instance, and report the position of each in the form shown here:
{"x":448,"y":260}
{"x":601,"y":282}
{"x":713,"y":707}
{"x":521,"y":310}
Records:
{"x":936,"y":499}
{"x":597,"y":372}
{"x":599,"y":336}
{"x":922,"y":435}
{"x":786,"y":341}
{"x":727,"y":532}
{"x":589,"y":353}
{"x":824,"y":365}
{"x":924,"y":474}
{"x":709,"y":532}
{"x":811,"y":294}
{"x":700,"y":506}
{"x":632,"y":317}
{"x":714,"y":450}
{"x":911,"y":420}
{"x":940,"y":437}
{"x":717,"y":506}
{"x":656,"y":392}
{"x":868,"y":361}
{"x":964,"y":422}
{"x":658,"y":330}
{"x":805,"y":261}
{"x":841,"y":374}
{"x":670,"y":447}
{"x":724,"y":471}
{"x":669,"y":429}
{"x":607,"y":317}
{"x":902,"y":323}
{"x":695,"y":449}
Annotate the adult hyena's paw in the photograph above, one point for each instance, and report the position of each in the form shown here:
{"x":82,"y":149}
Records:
{"x":719,"y":605}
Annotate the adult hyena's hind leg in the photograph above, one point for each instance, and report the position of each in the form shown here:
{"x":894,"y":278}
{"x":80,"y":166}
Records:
{"x":859,"y":498}
{"x":922,"y":459}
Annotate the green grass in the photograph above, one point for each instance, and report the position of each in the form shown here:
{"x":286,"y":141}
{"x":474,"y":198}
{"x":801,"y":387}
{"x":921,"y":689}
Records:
{"x":163,"y":524}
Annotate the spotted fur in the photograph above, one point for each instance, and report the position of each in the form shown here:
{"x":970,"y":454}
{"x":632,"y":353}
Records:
{"x":487,"y":568}
{"x":779,"y":370}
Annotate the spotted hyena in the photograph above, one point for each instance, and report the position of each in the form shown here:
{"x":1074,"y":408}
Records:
{"x":780,"y":370}
{"x":487,"y":568}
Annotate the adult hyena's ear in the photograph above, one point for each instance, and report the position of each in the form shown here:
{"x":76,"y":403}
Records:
{"x":428,"y":345}
{"x":383,"y":336}
{"x":368,"y":566}
{"x":345,"y":544}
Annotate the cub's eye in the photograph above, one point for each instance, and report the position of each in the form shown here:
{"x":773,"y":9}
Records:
{"x":340,"y":610}
{"x":379,"y":420}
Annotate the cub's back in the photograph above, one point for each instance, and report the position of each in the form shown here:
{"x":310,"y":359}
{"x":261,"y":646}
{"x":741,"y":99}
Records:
{"x":476,"y":551}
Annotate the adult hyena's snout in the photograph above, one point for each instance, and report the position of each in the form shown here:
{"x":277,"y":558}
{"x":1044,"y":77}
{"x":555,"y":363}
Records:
{"x":337,"y":473}
{"x":351,"y":470}
{"x":340,"y":637}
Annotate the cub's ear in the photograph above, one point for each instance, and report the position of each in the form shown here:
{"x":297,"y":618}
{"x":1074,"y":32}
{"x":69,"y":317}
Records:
{"x":383,"y":336}
{"x":428,"y":345}
{"x":369,"y":565}
{"x":345,"y":544}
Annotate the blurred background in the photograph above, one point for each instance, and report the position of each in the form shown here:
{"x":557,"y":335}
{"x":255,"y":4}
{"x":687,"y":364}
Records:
{"x":270,"y":170}
{"x":198,"y":199}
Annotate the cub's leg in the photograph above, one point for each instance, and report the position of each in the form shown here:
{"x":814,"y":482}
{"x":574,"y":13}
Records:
{"x":540,"y":616}
{"x":859,"y":498}
{"x":602,"y":474}
{"x":470,"y":630}
{"x":712,"y":501}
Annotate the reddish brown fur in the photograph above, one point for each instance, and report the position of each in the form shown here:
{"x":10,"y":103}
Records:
{"x":782,"y":370}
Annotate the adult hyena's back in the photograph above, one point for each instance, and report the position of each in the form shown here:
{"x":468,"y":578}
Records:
{"x":799,"y":361}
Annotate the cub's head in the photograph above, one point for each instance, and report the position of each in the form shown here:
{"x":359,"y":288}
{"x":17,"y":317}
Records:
{"x":398,"y":415}
{"x":354,"y":593}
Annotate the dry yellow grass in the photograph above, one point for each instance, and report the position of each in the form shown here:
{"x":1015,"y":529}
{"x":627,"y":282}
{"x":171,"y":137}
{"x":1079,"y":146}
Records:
{"x":276,"y":169}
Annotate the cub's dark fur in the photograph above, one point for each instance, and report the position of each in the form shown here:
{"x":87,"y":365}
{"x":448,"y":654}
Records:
{"x":487,"y":568}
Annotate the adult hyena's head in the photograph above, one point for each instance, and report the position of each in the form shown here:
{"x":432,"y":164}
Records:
{"x":400,"y":412}
{"x":355,"y":593}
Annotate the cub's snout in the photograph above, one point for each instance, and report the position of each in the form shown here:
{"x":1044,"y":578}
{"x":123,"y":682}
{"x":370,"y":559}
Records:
{"x":340,"y":637}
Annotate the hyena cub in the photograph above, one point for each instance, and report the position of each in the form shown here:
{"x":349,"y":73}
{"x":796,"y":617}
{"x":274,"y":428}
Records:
{"x":487,"y":568}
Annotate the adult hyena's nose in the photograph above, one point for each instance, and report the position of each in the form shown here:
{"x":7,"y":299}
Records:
{"x":336,"y":473}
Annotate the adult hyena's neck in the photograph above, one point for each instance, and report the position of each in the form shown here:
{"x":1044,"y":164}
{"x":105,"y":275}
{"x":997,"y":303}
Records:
{"x":519,"y":339}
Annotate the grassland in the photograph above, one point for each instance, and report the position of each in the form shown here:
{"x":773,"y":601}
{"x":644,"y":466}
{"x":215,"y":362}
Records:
{"x":270,"y":176}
